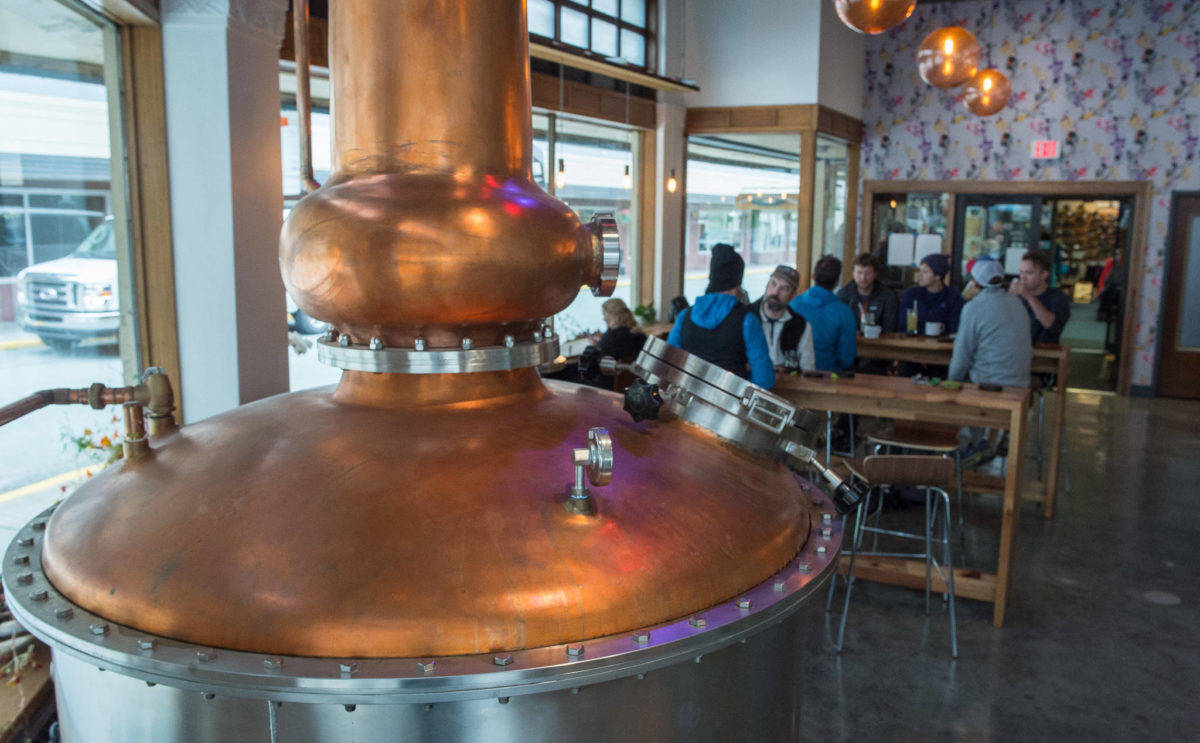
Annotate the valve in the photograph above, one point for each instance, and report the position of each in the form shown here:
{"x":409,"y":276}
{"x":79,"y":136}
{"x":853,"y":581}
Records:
{"x":642,"y":401}
{"x":595,"y":464}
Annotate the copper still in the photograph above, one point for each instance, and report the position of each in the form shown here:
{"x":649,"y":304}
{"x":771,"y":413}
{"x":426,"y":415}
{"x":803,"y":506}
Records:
{"x":443,"y":546}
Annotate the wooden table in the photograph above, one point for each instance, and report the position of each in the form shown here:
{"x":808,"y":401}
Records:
{"x":901,"y":398}
{"x":1048,"y":358}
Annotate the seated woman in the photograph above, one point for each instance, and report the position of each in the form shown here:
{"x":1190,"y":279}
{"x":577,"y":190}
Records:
{"x":622,"y":340}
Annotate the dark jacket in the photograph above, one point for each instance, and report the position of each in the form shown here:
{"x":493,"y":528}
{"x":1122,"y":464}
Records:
{"x":721,"y":331}
{"x":1057,"y":302}
{"x":793,"y":328}
{"x":944,"y":307}
{"x":621,"y":342}
{"x":882,"y":302}
{"x":835,"y":342}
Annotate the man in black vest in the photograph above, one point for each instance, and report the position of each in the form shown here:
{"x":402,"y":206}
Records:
{"x":721,"y":330}
{"x":789,"y":338}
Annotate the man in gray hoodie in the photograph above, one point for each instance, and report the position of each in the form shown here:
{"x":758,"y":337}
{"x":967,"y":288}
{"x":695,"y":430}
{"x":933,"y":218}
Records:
{"x":992,"y":345}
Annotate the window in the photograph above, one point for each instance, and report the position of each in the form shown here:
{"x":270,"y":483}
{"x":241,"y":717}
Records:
{"x":304,"y":370}
{"x":66,"y":304}
{"x":829,"y":199}
{"x":598,"y":163}
{"x":743,"y":190}
{"x":613,"y":29}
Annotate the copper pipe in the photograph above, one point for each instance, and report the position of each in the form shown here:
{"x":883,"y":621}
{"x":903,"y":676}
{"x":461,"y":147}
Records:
{"x":135,"y":446}
{"x":154,"y":391}
{"x":308,"y":181}
{"x":431,"y":226}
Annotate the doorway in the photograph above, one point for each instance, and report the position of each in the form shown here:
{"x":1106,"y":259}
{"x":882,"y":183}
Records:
{"x":1179,"y":357}
{"x":1086,"y":238}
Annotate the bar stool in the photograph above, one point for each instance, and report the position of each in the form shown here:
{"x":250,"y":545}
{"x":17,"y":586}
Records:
{"x":934,"y":475}
{"x":936,"y":438}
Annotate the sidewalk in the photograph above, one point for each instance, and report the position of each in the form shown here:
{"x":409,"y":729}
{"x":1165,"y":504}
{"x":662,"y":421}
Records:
{"x":12,"y":336}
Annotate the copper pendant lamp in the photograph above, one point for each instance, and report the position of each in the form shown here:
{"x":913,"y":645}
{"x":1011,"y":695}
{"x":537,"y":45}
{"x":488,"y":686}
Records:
{"x":948,"y":57}
{"x":987,"y":92}
{"x":874,"y":16}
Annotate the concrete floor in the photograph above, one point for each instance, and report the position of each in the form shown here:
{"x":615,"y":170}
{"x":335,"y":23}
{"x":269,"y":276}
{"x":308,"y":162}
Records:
{"x":1102,"y":636}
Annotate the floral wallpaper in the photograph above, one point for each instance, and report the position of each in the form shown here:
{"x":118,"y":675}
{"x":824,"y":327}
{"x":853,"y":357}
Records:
{"x":1117,"y":82}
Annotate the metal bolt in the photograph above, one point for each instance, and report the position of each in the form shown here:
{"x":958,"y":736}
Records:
{"x":376,"y":344}
{"x":329,"y":336}
{"x":24,"y":579}
{"x":348,"y":666}
{"x":509,"y":341}
{"x":204,"y":656}
{"x":38,"y":596}
{"x":209,"y":695}
{"x":146,"y":643}
{"x":38,"y":525}
{"x":698,"y":657}
{"x":502,"y":660}
{"x":817,"y":502}
{"x":99,"y":629}
{"x":272,"y":664}
{"x":419,"y":344}
{"x":641,"y":638}
{"x":827,"y":516}
{"x":151,"y":684}
{"x":21,"y":559}
{"x":65,"y":613}
{"x":575,"y":690}
{"x":641,"y":676}
{"x":780,"y":585}
{"x":25,"y":541}
{"x":821,"y":549}
{"x":826,"y":532}
{"x":503,"y":700}
{"x":426,"y":666}
{"x":466,"y":344}
{"x":343,"y":340}
{"x":744,"y":603}
{"x":351,"y":707}
{"x":574,"y":650}
{"x":537,"y":336}
{"x":697,"y":622}
{"x":428,"y":707}
{"x":804,"y":567}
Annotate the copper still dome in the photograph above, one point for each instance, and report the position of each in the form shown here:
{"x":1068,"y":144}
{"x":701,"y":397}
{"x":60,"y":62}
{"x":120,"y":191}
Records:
{"x":416,"y":514}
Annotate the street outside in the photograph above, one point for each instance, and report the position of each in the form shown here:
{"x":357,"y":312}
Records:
{"x":35,"y":447}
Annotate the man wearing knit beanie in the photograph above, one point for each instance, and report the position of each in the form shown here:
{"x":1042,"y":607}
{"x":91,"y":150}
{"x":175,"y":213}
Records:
{"x":933,"y":297}
{"x":720,"y":329}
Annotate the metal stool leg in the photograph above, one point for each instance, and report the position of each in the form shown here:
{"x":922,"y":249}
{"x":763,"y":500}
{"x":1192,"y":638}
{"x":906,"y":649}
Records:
{"x":858,"y":518}
{"x":949,"y":557}
{"x":928,"y":551}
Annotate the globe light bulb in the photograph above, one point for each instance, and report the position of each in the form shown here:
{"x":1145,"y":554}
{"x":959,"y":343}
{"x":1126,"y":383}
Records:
{"x":874,"y":16}
{"x":948,"y":57}
{"x":987,"y":93}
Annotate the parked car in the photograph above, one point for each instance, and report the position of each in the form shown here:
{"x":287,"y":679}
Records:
{"x":73,"y":298}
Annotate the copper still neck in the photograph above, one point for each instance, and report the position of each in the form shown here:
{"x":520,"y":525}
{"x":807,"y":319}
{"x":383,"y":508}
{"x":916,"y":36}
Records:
{"x":430,"y":233}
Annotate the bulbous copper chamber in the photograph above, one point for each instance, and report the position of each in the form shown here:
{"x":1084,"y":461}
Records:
{"x":401,"y":515}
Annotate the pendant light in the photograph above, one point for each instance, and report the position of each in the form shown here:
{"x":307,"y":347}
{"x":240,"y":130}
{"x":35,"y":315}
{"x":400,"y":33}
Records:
{"x":560,"y":176}
{"x":874,"y":16}
{"x":987,"y":93}
{"x":627,"y":179}
{"x":948,"y":57}
{"x":672,"y":183}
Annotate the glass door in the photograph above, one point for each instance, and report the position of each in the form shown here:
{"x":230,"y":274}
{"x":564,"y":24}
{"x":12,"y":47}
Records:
{"x":997,"y":227}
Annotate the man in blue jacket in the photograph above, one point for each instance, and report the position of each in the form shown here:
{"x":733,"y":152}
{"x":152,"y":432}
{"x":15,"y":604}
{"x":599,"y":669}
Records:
{"x":721,"y":330}
{"x":833,"y":324}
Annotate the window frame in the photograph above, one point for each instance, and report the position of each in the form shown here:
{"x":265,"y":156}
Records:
{"x":646,"y":32}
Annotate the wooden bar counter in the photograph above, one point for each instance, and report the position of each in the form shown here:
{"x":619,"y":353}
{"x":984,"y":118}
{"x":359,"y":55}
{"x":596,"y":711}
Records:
{"x":900,"y":398}
{"x":1047,"y":359}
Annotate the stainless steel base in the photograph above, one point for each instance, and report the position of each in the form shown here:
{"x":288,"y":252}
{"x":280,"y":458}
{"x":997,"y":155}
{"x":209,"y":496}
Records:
{"x":748,"y":691}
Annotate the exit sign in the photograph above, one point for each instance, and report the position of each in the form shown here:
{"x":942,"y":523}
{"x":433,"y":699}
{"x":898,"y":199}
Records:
{"x":1044,"y":149}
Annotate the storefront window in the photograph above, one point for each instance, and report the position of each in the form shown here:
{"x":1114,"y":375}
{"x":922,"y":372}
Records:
{"x":829,"y":198}
{"x":742,"y":189}
{"x":598,"y":163}
{"x":614,"y":29}
{"x":66,"y":304}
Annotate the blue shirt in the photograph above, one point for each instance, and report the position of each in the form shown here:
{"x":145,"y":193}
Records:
{"x":835,"y":342}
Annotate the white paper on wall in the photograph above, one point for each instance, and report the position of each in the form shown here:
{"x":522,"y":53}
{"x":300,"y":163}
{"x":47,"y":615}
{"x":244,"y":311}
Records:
{"x":1012,"y":260}
{"x":900,"y":249}
{"x":926,"y":245}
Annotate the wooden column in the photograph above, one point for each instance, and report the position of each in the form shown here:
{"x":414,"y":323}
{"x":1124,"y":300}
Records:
{"x":804,"y":218}
{"x":648,"y":178}
{"x":853,"y":152}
